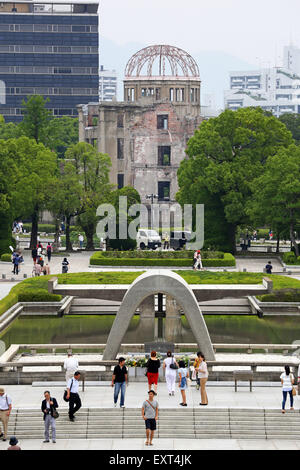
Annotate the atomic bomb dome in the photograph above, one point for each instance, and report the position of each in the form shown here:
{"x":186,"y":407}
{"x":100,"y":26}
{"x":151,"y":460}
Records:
{"x":162,"y":73}
{"x":161,"y":61}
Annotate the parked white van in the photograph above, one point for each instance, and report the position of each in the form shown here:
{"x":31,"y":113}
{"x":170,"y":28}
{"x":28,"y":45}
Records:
{"x":148,"y":239}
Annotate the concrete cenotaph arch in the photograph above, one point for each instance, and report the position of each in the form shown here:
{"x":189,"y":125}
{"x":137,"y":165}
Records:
{"x":154,"y":282}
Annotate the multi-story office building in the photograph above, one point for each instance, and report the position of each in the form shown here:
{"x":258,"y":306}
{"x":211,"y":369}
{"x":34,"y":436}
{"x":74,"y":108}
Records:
{"x":48,"y":49}
{"x":275,"y":89}
{"x":107,"y":84}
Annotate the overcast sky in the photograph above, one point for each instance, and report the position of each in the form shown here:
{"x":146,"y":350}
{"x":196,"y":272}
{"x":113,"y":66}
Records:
{"x":254,"y":31}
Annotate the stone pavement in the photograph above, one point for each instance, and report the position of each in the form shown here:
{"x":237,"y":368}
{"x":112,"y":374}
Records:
{"x":26,"y":396}
{"x":158,"y":444}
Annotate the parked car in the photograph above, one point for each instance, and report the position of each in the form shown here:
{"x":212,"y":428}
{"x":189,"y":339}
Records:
{"x":178,"y":239}
{"x":148,"y":239}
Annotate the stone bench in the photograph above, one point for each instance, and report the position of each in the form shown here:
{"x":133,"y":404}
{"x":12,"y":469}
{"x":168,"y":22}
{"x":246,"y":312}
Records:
{"x":242,"y":375}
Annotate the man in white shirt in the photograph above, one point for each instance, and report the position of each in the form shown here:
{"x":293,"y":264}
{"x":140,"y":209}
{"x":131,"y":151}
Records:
{"x":5,"y":410}
{"x":71,"y":366}
{"x":81,"y":239}
{"x":73,"y":396}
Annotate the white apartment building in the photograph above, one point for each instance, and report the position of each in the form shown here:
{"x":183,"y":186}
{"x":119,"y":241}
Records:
{"x":107,"y":84}
{"x":275,"y":89}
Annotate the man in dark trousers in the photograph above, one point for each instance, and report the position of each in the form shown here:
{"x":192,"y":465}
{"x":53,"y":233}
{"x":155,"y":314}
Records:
{"x":120,"y":380}
{"x":48,"y":406}
{"x":269,"y":268}
{"x":73,"y":396}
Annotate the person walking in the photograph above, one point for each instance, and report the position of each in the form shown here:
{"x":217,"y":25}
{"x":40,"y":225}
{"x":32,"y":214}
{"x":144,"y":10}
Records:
{"x":198,"y":264}
{"x":287,"y":381}
{"x":71,"y":366}
{"x":49,"y":405}
{"x":13,"y":441}
{"x":49,"y":251}
{"x":119,"y":381}
{"x":36,"y":271}
{"x":80,"y":239}
{"x":65,"y":266}
{"x":150,"y":416}
{"x":195,"y":260}
{"x":34,"y":255}
{"x":5,"y":410}
{"x":17,"y":260}
{"x":170,"y":366}
{"x":73,"y":395}
{"x":196,"y":367}
{"x":202,"y":374}
{"x":152,"y":366}
{"x":166,"y":241}
{"x":269,"y":268}
{"x":183,"y":375}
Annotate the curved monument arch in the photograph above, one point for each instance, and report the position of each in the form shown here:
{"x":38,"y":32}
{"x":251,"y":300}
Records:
{"x":153,"y":282}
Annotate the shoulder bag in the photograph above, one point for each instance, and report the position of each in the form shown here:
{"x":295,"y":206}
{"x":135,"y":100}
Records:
{"x":173,"y":365}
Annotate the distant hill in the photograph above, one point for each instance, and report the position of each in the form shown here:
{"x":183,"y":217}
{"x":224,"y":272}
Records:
{"x":214,"y":66}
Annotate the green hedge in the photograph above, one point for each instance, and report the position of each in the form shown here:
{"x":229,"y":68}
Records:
{"x":180,"y":254}
{"x":6,"y":257}
{"x":38,"y":295}
{"x":96,"y":260}
{"x":290,"y":258}
{"x":48,"y":228}
{"x":283,"y":295}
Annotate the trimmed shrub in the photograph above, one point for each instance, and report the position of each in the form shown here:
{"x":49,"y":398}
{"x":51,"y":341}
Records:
{"x":282,"y":295}
{"x":97,"y":260}
{"x":123,"y":245}
{"x":180,"y":254}
{"x":38,"y":295}
{"x":6,"y":257}
{"x":289,"y":257}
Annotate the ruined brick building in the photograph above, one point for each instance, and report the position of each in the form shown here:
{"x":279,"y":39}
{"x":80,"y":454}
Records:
{"x":146,"y":134}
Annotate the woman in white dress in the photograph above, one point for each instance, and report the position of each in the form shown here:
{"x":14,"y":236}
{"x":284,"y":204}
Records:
{"x":170,"y":372}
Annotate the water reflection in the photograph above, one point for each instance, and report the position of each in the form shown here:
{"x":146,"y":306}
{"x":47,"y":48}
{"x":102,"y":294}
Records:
{"x":95,"y":329}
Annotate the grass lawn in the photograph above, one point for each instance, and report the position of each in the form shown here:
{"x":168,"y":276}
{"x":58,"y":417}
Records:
{"x":191,"y":277}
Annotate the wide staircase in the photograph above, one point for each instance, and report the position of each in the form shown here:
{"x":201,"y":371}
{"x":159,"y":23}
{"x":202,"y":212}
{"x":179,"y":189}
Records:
{"x":116,"y":423}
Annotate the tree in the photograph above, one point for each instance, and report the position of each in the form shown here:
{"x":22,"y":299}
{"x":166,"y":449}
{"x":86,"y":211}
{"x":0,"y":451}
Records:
{"x":133,"y":197}
{"x":292,"y":122}
{"x":36,"y":118}
{"x":61,"y":133}
{"x":224,"y":156}
{"x":276,"y":192}
{"x":92,"y":169}
{"x":38,"y":168}
{"x":9,"y":176}
{"x":66,"y":196}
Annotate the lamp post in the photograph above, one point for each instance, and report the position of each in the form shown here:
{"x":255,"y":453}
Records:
{"x":152,"y":197}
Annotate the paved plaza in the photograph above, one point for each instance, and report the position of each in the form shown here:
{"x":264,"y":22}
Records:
{"x":219,"y":396}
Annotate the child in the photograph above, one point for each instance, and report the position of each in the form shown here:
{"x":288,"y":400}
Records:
{"x":183,"y":375}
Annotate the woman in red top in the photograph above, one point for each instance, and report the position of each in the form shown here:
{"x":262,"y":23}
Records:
{"x":153,"y":365}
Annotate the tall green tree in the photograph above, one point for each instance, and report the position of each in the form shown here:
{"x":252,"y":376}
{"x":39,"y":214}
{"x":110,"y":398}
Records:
{"x":38,"y":167}
{"x":92,"y":169}
{"x":276,"y":193}
{"x":61,"y":133}
{"x":36,"y":118}
{"x":66,"y":196}
{"x":224,"y":156}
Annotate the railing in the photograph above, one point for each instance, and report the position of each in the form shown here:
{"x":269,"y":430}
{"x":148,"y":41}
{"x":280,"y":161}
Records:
{"x":139,"y":347}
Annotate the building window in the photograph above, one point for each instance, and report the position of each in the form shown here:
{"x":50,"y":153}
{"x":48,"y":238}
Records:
{"x":157,"y":93}
{"x":164,"y":155}
{"x":120,"y":180}
{"x":163,"y":190}
{"x":162,"y":121}
{"x":120,"y":149}
{"x":120,"y":120}
{"x":171,"y":94}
